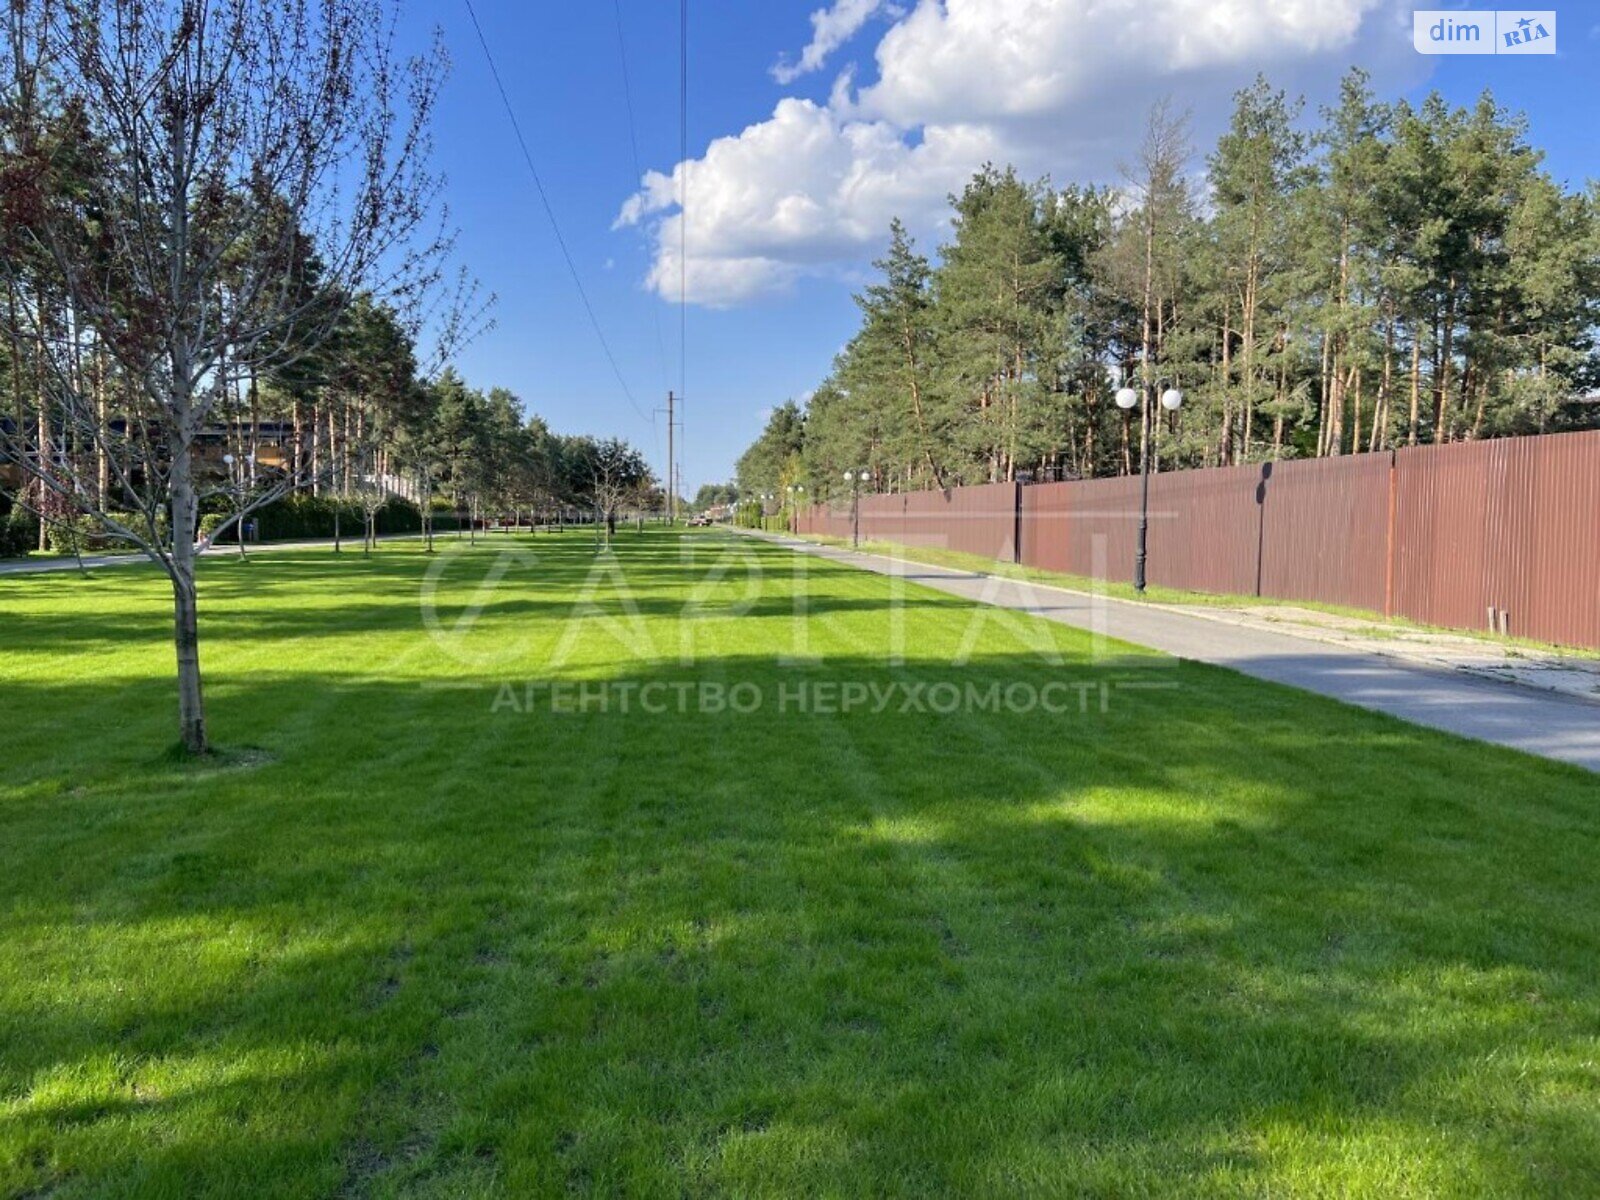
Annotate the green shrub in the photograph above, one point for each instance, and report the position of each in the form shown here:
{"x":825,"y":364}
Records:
{"x":70,"y":534}
{"x":301,"y":517}
{"x":19,"y":533}
{"x":749,"y":516}
{"x":135,"y":522}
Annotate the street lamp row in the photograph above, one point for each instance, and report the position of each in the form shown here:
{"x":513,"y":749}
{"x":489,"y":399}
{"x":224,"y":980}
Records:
{"x":1127,"y":398}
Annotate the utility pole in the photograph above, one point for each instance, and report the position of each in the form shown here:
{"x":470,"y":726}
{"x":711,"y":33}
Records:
{"x":672,"y":464}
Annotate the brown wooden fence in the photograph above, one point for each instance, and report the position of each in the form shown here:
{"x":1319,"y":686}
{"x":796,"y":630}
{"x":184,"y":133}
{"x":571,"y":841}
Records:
{"x":1471,"y":535}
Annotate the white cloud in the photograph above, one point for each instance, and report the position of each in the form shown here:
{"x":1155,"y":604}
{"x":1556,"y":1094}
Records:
{"x":1052,"y":86}
{"x":973,"y":59}
{"x":793,"y":194}
{"x":830,"y":28}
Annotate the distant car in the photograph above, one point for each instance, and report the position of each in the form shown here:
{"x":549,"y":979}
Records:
{"x":700,"y":520}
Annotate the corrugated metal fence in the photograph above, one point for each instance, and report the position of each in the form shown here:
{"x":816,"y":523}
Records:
{"x":1470,"y":535}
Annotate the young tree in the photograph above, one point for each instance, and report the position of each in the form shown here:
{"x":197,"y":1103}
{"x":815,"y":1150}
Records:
{"x":601,"y":475}
{"x":251,"y":168}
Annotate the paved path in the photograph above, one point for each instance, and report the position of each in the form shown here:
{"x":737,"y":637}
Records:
{"x":1545,"y":723}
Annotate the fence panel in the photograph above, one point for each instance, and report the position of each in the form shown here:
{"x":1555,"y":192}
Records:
{"x":1325,"y":530}
{"x":820,"y":520}
{"x":1098,"y":533}
{"x":1511,"y":525}
{"x":978,"y":520}
{"x":1441,"y":518}
{"x":1047,"y":525}
{"x":1548,"y":551}
{"x":1205,"y":529}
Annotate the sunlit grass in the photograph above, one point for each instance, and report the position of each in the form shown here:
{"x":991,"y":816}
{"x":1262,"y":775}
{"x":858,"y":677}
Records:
{"x":405,"y":938}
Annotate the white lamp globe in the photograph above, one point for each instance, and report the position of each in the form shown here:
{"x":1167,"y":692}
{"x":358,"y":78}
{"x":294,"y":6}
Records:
{"x":1127,"y":397}
{"x":849,"y":475}
{"x":1172,"y":399}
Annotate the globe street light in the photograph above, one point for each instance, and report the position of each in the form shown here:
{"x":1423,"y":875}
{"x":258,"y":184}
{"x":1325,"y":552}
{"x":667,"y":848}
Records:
{"x":1172,"y":401}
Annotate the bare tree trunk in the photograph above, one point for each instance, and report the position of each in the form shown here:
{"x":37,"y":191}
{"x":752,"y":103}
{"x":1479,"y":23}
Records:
{"x":186,"y":630}
{"x":255,"y":426}
{"x":46,"y":457}
{"x":1226,"y":448}
{"x":1441,"y":383}
{"x":1247,"y":359}
{"x":102,"y":473}
{"x":1324,"y":417}
{"x":1380,"y":412}
{"x":1355,"y":410}
{"x":1144,"y":342}
{"x":1416,"y":385}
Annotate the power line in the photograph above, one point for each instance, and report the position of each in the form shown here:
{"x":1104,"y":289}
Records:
{"x":550,"y":212}
{"x":683,"y":200}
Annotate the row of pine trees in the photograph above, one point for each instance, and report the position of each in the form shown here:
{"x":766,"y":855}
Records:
{"x":1390,"y":274}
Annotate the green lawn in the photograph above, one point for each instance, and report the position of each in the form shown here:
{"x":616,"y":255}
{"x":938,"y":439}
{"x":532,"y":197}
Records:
{"x":409,"y":937}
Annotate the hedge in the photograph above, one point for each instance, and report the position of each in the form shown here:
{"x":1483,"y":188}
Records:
{"x":300,"y":517}
{"x":293,"y":518}
{"x":749,"y":515}
{"x":19,"y":533}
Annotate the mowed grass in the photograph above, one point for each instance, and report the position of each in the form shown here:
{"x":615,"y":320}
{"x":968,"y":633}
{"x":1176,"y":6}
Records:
{"x":408,"y":937}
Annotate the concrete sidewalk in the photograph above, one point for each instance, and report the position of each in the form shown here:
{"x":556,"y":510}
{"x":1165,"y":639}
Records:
{"x":1545,"y":723}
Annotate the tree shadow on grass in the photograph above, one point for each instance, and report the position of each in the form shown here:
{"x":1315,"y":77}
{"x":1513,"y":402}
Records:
{"x":1221,"y":935}
{"x":264,"y":599}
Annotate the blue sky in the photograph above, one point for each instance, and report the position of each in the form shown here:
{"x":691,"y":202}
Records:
{"x":794,"y":196}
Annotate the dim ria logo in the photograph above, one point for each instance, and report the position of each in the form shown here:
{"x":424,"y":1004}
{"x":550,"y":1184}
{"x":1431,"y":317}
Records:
{"x":1485,"y":31}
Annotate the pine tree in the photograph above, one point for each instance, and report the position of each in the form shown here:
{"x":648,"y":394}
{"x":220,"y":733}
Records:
{"x":892,"y":359}
{"x":997,"y":289}
{"x":1254,"y":171}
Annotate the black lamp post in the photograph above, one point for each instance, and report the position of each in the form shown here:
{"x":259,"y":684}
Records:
{"x":855,"y":479}
{"x":796,"y":491}
{"x":1172,"y":401}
